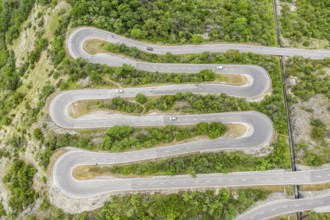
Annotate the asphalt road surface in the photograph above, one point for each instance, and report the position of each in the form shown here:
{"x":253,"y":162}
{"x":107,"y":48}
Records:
{"x":80,"y":189}
{"x":77,"y":38}
{"x":258,"y":134}
{"x":286,"y":206}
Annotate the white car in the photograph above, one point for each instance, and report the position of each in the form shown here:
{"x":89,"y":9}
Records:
{"x":119,"y":91}
{"x":173,"y":118}
{"x":219,"y":67}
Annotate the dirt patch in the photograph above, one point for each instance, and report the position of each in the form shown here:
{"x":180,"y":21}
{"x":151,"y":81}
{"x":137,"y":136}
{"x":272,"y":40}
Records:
{"x":80,"y":108}
{"x":85,"y":172}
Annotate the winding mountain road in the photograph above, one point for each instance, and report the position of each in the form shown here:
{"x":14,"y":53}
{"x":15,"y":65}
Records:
{"x":80,"y":35}
{"x":259,"y":128}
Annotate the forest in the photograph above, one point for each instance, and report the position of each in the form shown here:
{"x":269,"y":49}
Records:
{"x":19,"y":179}
{"x":217,"y":162}
{"x":312,"y":77}
{"x":308,"y":19}
{"x":183,"y":205}
{"x":181,"y":21}
{"x":121,"y":138}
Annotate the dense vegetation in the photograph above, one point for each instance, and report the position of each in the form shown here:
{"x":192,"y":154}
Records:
{"x":217,"y":162}
{"x":57,"y":52}
{"x":312,"y":78}
{"x":318,"y":216}
{"x":182,"y":205}
{"x":125,"y":75}
{"x":225,"y":204}
{"x":120,"y":138}
{"x":15,"y":12}
{"x":19,"y":180}
{"x":309,"y":19}
{"x":181,"y":21}
{"x":2,"y":210}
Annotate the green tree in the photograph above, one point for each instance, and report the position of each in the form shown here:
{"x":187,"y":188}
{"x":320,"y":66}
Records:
{"x":141,"y":98}
{"x":37,"y":134}
{"x":137,"y":33}
{"x":196,"y":39}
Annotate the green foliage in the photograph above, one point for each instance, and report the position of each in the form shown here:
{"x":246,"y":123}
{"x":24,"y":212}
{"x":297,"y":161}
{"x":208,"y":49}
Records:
{"x":3,"y":153}
{"x":141,"y":98}
{"x":41,"y":44}
{"x":318,"y":216}
{"x":313,"y":159}
{"x":37,"y":134}
{"x":181,"y":21}
{"x":313,"y":155}
{"x":15,"y":12}
{"x":7,"y":103}
{"x":57,"y":52}
{"x":182,"y":205}
{"x":53,"y":142}
{"x":310,"y":19}
{"x":215,"y":129}
{"x":206,"y":75}
{"x":119,"y":138}
{"x":319,"y":129}
{"x":3,"y":49}
{"x":130,"y":76}
{"x":9,"y":76}
{"x":121,"y":104}
{"x":3,"y":46}
{"x":19,"y":180}
{"x":2,"y":210}
{"x":31,"y":115}
{"x":312,"y":78}
{"x":217,"y":162}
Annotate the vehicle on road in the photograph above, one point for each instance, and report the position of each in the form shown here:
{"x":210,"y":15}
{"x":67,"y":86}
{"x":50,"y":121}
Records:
{"x":150,"y":48}
{"x":219,"y":67}
{"x":173,"y":118}
{"x":119,"y":91}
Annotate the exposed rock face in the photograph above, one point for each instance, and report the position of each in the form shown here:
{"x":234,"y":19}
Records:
{"x":301,"y":114}
{"x":291,"y":81}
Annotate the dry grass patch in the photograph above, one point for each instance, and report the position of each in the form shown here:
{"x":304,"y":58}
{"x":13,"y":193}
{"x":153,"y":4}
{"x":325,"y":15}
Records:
{"x":94,"y":46}
{"x":231,"y":79}
{"x":234,"y":130}
{"x":315,"y":187}
{"x":80,"y":108}
{"x":85,"y":172}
